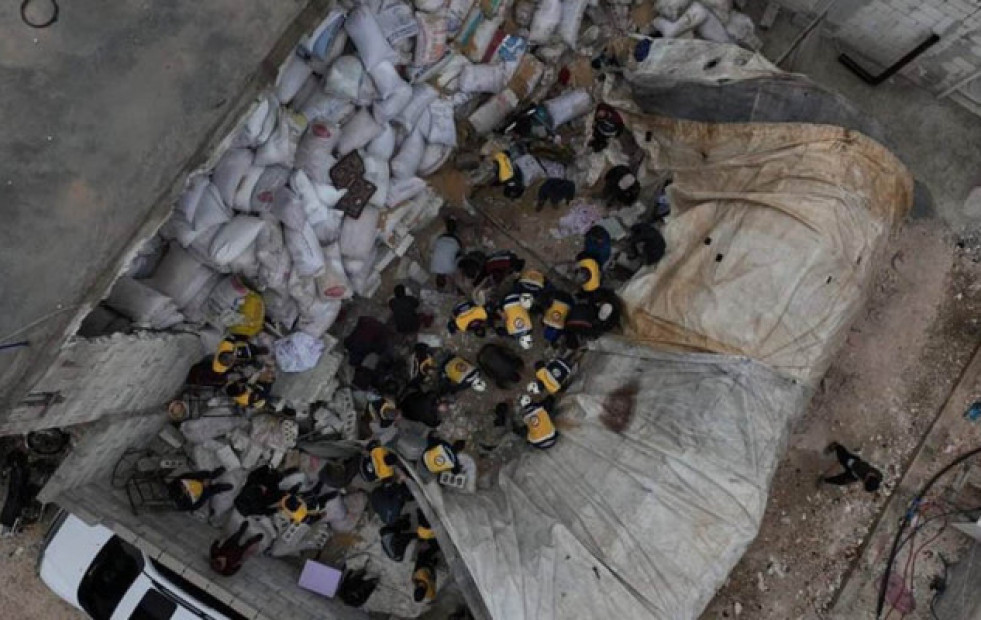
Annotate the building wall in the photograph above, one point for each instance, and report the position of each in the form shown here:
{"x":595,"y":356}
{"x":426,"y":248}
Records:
{"x":883,"y":31}
{"x":107,"y":376}
{"x":265,"y":588}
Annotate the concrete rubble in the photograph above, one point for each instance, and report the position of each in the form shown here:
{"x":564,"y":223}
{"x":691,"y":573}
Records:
{"x":318,"y":203}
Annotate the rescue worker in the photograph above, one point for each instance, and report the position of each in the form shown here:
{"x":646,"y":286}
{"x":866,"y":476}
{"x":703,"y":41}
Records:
{"x":378,"y":463}
{"x":423,"y":363}
{"x":424,"y":531}
{"x":588,"y":273}
{"x":555,"y":316}
{"x":508,"y":175}
{"x":445,"y":252}
{"x":539,"y":430}
{"x":469,"y":317}
{"x":551,"y":377}
{"x":517,"y":321}
{"x":422,"y":406}
{"x":607,"y":126}
{"x":459,"y":374}
{"x":621,"y":186}
{"x":646,"y":243}
{"x":598,"y":244}
{"x":554,"y":191}
{"x":395,"y":538}
{"x":235,"y":351}
{"x":424,"y":572}
{"x":405,"y":311}
{"x":382,"y":409}
{"x":532,"y":283}
{"x":499,"y":265}
{"x":440,"y":456}
{"x":249,"y":394}
{"x":192,"y":490}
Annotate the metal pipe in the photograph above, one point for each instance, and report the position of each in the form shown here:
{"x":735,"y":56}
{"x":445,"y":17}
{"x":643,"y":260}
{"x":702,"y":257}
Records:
{"x":875,"y":80}
{"x":957,"y":86}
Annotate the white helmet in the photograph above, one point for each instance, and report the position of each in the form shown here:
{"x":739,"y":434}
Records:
{"x":479,"y":384}
{"x":534,"y":388}
{"x":524,"y":400}
{"x":527,"y":300}
{"x":524,"y":340}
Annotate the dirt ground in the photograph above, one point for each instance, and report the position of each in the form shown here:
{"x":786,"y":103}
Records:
{"x":880,"y":397}
{"x":23,"y":595}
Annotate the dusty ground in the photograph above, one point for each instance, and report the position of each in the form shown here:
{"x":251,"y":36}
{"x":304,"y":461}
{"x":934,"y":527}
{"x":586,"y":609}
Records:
{"x":880,"y":396}
{"x":22,"y":590}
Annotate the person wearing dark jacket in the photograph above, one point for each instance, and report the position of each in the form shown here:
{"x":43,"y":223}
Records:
{"x":228,"y":556}
{"x":260,"y":493}
{"x":499,"y":265}
{"x":369,"y":336}
{"x":555,"y":191}
{"x":424,"y":572}
{"x":500,"y":364}
{"x":645,"y":242}
{"x":422,"y":406}
{"x":621,"y":186}
{"x":856,"y":470}
{"x":192,"y":490}
{"x":405,"y":311}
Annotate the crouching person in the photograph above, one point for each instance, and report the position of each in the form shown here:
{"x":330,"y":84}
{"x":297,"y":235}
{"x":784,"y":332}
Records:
{"x":538,"y":428}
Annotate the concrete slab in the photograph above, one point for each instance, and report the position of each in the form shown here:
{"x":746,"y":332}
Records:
{"x":102,"y":113}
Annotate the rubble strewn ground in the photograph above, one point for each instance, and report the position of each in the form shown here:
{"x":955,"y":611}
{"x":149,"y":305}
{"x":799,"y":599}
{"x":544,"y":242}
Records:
{"x":22,"y":590}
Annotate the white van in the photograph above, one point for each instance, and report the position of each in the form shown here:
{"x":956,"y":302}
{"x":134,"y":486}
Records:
{"x":110,"y":579}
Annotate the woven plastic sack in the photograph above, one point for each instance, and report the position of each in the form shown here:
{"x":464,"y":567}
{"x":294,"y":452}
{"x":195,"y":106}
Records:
{"x":495,"y":110}
{"x":671,"y":10}
{"x":433,"y":158}
{"x":396,"y":21}
{"x":334,"y":283}
{"x":289,"y":209}
{"x":344,"y":77}
{"x":358,"y":235}
{"x":368,"y":38}
{"x":259,"y":124}
{"x":358,"y":132}
{"x":272,"y":256}
{"x":383,"y":147}
{"x":406,"y":162}
{"x":245,"y":264}
{"x":483,"y":78}
{"x":304,"y":249}
{"x":324,"y":219}
{"x":400,"y":190}
{"x":430,"y":6}
{"x":442,"y":124}
{"x":210,"y":211}
{"x":394,"y":92}
{"x":712,"y":29}
{"x":377,"y":171}
{"x":253,"y":314}
{"x":545,"y":20}
{"x":321,"y":41}
{"x":188,"y":202}
{"x":222,"y":307}
{"x":313,"y":155}
{"x":572,"y":11}
{"x":568,"y":106}
{"x":234,"y":238}
{"x":181,"y":277}
{"x":478,"y":44}
{"x":145,"y":306}
{"x":292,"y":75}
{"x":431,"y":40}
{"x":688,"y":21}
{"x":319,"y":317}
{"x":422,"y":96}
{"x":280,"y":149}
{"x":243,"y":195}
{"x":264,"y":193}
{"x":298,"y":352}
{"x":147,"y":258}
{"x":327,"y":107}
{"x":456,"y":12}
{"x":229,"y":172}
{"x":281,"y":308}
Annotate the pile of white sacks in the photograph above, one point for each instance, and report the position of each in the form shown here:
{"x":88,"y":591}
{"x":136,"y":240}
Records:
{"x":712,"y":20}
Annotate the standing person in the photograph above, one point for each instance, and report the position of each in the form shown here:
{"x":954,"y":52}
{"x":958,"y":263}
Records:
{"x":444,"y":255}
{"x":227,"y":556}
{"x":405,"y":311}
{"x":856,"y":469}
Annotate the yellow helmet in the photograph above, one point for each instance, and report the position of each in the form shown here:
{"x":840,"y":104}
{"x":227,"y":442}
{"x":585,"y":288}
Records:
{"x":505,"y":171}
{"x":294,"y":508}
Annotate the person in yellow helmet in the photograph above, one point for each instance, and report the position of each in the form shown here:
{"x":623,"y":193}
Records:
{"x":469,"y":317}
{"x":440,"y":456}
{"x":517,"y":321}
{"x":424,"y":572}
{"x":377,"y":463}
{"x":555,"y":316}
{"x":551,"y":377}
{"x":508,"y":175}
{"x":538,"y":428}
{"x":235,"y":351}
{"x":588,"y":273}
{"x":382,"y":409}
{"x":192,"y":490}
{"x":249,"y":394}
{"x":459,"y":374}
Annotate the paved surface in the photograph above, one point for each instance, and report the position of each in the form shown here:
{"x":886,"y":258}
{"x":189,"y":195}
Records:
{"x":102,"y":112}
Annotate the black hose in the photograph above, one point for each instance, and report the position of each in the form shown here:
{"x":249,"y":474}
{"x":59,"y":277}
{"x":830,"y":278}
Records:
{"x":894,"y":550}
{"x":44,"y":24}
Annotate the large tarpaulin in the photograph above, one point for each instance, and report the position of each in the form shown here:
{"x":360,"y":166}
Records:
{"x":671,"y":435}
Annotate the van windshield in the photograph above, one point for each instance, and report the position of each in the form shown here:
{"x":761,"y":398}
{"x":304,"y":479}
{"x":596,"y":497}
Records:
{"x":107,"y":579}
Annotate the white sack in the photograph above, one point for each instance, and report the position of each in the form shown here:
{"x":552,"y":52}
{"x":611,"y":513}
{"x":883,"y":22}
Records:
{"x":488,"y":116}
{"x":572,"y":11}
{"x":430,"y":6}
{"x":545,"y":21}
{"x":234,"y":238}
{"x":712,"y":29}
{"x":323,"y":39}
{"x":484,"y":78}
{"x":344,"y":77}
{"x":259,"y":124}
{"x":394,"y":92}
{"x":568,"y":106}
{"x":480,"y":42}
{"x":741,"y":28}
{"x":246,"y":187}
{"x":205,"y":428}
{"x":377,"y":171}
{"x":431,"y":40}
{"x":280,"y":308}
{"x":720,"y":8}
{"x":221,"y":307}
{"x":422,"y":96}
{"x":334,"y":283}
{"x":368,"y":37}
{"x":319,"y":317}
{"x":298,"y":352}
{"x":367,"y":93}
{"x":292,"y":75}
{"x":200,"y":247}
{"x":210,"y":211}
{"x":456,"y":12}
{"x":531,"y":169}
{"x":281,"y":146}
{"x":324,"y":219}
{"x":313,"y":155}
{"x":181,"y":277}
{"x":358,"y":132}
{"x":383,"y":147}
{"x":229,"y":172}
{"x":328,"y":108}
{"x":304,"y":249}
{"x":396,"y":21}
{"x":245,"y":264}
{"x":671,"y":10}
{"x":144,"y":305}
{"x":400,"y":190}
{"x":689,"y":20}
{"x":442,"y":124}
{"x":264,"y":194}
{"x":358,"y":235}
{"x":187,"y":204}
{"x":433,"y":157}
{"x":289,"y":209}
{"x":272,"y":256}
{"x":406,"y":162}
{"x":147,"y":258}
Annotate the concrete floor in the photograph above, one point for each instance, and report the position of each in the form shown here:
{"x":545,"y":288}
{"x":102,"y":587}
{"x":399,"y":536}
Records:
{"x":937,"y":139}
{"x":103,"y":113}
